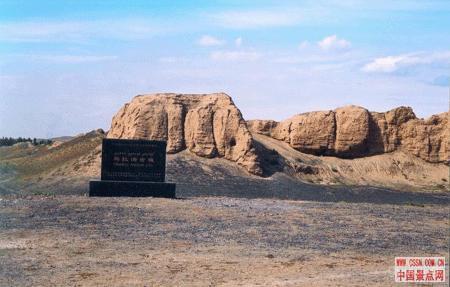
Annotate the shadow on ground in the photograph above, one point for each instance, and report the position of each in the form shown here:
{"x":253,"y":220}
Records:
{"x":193,"y":181}
{"x":290,"y":190}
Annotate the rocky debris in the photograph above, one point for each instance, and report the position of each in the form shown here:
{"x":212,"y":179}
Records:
{"x":299,"y":167}
{"x":352,"y":131}
{"x":208,"y":125}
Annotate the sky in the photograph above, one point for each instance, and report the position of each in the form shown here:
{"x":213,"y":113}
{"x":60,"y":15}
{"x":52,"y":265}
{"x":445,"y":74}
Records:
{"x":66,"y":67}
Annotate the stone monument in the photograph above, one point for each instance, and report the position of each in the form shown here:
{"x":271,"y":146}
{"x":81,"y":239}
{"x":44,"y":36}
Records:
{"x":132,"y":168}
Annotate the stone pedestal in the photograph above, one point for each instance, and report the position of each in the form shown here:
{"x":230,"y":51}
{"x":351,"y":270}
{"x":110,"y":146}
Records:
{"x":131,"y":188}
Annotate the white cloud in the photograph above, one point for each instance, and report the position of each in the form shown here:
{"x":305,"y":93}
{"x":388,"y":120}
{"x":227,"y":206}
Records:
{"x":333,"y":43}
{"x":391,"y":64}
{"x":385,"y":64}
{"x":238,"y":41}
{"x":235,"y":56}
{"x":258,"y":18}
{"x":70,"y":31}
{"x":207,"y":40}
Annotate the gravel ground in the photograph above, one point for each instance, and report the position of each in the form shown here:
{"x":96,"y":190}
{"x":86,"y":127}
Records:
{"x":211,"y":241}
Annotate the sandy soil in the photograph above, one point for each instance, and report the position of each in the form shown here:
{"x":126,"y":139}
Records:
{"x":67,"y":168}
{"x":395,"y":170}
{"x":211,"y":241}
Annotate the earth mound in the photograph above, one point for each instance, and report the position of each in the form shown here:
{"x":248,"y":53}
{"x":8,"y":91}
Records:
{"x":352,"y":132}
{"x":208,"y":125}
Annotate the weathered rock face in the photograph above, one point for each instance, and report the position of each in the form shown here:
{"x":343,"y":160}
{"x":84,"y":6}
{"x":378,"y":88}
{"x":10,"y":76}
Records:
{"x":427,"y":139}
{"x":400,"y":129}
{"x":263,"y":127}
{"x":310,"y":132}
{"x":207,"y":125}
{"x":342,"y":132}
{"x":353,"y":131}
{"x":212,"y":126}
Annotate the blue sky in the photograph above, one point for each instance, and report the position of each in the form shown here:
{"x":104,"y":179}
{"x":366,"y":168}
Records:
{"x":66,"y":67}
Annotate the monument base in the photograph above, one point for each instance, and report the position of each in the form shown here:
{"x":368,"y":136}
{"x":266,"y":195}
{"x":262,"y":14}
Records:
{"x":131,"y":188}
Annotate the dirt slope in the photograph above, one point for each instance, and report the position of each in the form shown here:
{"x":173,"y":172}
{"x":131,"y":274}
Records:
{"x":396,"y":170}
{"x":67,"y":168}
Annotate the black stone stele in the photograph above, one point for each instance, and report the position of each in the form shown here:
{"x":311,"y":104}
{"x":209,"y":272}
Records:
{"x":133,"y":168}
